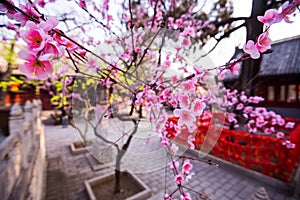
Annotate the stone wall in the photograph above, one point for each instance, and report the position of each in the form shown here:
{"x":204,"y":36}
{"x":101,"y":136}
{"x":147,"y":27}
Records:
{"x":22,"y":154}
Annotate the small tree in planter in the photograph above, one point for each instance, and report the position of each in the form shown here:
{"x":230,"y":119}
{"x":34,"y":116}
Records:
{"x":161,"y":36}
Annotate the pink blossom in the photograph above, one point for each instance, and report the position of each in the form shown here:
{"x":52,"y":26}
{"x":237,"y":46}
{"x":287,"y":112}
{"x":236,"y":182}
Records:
{"x":92,"y":64}
{"x":192,"y":128}
{"x":173,"y":101}
{"x":197,"y":107}
{"x":240,"y":106}
{"x":198,"y":70}
{"x":286,"y":9}
{"x":269,"y":131}
{"x":82,"y":52}
{"x":261,"y":111}
{"x":10,"y":13}
{"x":222,"y":74}
{"x":250,"y":48}
{"x":185,"y":196}
{"x":35,"y":66}
{"x":41,"y":3}
{"x":280,"y":120}
{"x":234,"y":100}
{"x":296,"y":2}
{"x":260,"y":121}
{"x":231,"y":118}
{"x":288,"y":144}
{"x":174,"y":79}
{"x":189,"y":176}
{"x":52,"y":48}
{"x":34,"y":37}
{"x":29,"y":9}
{"x":165,"y":94}
{"x":186,"y":167}
{"x":270,"y":17}
{"x":11,"y":26}
{"x":252,"y":130}
{"x":189,"y":32}
{"x":82,"y":4}
{"x":70,"y":45}
{"x":279,"y":135}
{"x":166,"y":64}
{"x":165,"y":141}
{"x":243,"y":98}
{"x":170,"y":21}
{"x":272,"y":114}
{"x":235,"y":68}
{"x":167,"y":197}
{"x":178,"y":179}
{"x":263,"y":42}
{"x":184,"y":101}
{"x":255,"y":99}
{"x":191,"y":141}
{"x":178,"y":22}
{"x":188,"y":86}
{"x":290,"y":125}
{"x":248,"y":109}
{"x":186,"y":42}
{"x":49,"y":24}
{"x":185,"y":117}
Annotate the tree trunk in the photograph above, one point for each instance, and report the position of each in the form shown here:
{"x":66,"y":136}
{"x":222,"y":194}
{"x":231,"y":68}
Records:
{"x":251,"y":67}
{"x":121,"y":152}
{"x":117,"y":188}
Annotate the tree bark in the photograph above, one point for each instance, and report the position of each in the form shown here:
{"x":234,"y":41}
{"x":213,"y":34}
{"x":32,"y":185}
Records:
{"x":121,"y":152}
{"x":250,"y":67}
{"x":118,"y":172}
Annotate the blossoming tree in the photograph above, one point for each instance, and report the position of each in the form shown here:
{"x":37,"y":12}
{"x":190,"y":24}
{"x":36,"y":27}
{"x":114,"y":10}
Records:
{"x":131,"y":47}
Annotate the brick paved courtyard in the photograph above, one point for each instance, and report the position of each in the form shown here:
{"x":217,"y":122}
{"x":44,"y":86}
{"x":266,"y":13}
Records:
{"x":66,"y":174}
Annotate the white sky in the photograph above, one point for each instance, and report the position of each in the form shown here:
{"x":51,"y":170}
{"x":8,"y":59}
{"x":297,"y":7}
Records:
{"x":225,"y":49}
{"x":242,"y":8}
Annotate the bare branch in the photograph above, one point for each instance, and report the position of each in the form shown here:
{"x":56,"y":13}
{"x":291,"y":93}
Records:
{"x":225,"y":35}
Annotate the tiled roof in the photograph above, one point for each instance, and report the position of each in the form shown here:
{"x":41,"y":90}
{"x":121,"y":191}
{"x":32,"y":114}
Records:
{"x":284,"y":60}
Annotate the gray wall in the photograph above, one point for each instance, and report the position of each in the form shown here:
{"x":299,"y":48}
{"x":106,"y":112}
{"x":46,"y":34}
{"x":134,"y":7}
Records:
{"x":287,"y":112}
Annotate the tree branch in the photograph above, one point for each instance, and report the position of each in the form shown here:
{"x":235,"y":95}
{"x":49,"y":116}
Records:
{"x":225,"y":35}
{"x":230,"y":20}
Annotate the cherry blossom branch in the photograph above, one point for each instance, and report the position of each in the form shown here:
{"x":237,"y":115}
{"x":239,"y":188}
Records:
{"x":99,"y":22}
{"x":208,"y":161}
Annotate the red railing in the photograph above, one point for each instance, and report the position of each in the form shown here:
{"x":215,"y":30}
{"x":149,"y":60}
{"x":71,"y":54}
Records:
{"x":261,"y":153}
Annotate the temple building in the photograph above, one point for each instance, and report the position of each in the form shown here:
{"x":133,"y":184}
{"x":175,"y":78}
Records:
{"x":278,"y":80}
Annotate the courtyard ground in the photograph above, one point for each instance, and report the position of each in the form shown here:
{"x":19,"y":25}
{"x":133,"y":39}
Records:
{"x":66,"y":174}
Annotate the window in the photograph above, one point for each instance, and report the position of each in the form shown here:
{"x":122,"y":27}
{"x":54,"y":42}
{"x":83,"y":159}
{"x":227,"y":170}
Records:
{"x":291,"y":95}
{"x":282,"y":93}
{"x":271,"y":93}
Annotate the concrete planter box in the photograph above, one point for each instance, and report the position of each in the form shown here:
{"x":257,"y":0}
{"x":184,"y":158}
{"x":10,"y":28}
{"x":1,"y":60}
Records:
{"x":75,"y":150}
{"x":144,"y":193}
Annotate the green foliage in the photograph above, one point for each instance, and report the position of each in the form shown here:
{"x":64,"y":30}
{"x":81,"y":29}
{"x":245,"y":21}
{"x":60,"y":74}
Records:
{"x":58,"y":101}
{"x":8,"y":53}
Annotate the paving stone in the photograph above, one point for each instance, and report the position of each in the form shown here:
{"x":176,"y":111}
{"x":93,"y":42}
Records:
{"x":224,"y":198}
{"x":238,"y":198}
{"x":218,"y":183}
{"x":219,"y":192}
{"x":231,"y":193}
{"x":208,"y":191}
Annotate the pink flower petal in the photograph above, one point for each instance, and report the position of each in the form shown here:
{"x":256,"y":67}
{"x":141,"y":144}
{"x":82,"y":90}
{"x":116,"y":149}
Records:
{"x":27,"y":55}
